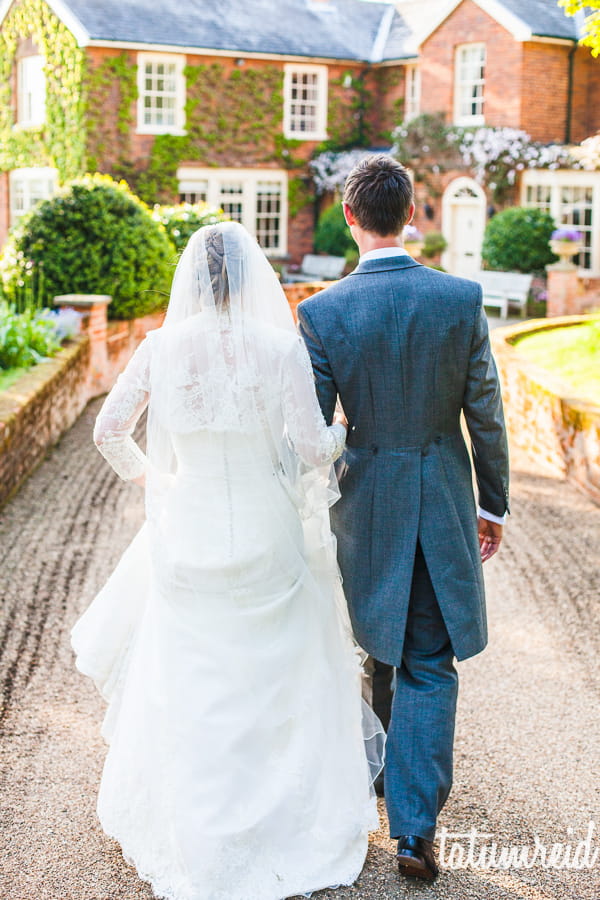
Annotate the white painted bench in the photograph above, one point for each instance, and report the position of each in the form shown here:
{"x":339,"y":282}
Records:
{"x":318,"y":268}
{"x":502,"y":289}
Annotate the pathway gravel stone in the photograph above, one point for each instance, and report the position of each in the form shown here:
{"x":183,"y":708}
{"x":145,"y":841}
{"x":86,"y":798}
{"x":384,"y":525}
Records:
{"x":528,"y":737}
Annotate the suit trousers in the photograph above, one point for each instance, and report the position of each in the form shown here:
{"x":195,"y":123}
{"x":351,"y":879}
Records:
{"x":420,"y":738}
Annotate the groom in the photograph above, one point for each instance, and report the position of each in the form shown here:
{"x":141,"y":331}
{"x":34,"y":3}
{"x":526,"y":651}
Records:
{"x":406,"y":349}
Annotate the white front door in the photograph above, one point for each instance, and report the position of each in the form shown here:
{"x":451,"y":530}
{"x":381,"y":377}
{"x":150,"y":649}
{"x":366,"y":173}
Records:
{"x":463,"y":223}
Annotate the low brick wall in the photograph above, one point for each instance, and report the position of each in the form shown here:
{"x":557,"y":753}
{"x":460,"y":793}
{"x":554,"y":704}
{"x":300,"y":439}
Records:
{"x":37,"y":409}
{"x":298,"y":291}
{"x":559,"y":431}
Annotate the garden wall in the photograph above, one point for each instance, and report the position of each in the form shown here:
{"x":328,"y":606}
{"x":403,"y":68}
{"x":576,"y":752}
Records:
{"x":559,"y":431}
{"x":38,"y":408}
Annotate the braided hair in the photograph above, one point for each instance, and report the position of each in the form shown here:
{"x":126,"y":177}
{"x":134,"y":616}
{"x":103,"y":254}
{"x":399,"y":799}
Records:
{"x":215,"y":254}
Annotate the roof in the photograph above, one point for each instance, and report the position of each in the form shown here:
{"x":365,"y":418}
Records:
{"x":329,"y":29}
{"x":545,"y":18}
{"x":524,"y":19}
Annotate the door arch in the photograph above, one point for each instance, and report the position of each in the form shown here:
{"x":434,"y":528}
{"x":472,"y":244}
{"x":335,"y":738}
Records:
{"x":463,"y":224}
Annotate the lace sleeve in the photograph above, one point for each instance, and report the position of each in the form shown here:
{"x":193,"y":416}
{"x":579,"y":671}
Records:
{"x":119,"y":414}
{"x":315,"y":442}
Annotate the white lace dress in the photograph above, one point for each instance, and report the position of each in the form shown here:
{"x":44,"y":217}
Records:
{"x":236,"y":768}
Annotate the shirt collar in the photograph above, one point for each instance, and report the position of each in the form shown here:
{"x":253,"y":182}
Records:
{"x":383,"y":253}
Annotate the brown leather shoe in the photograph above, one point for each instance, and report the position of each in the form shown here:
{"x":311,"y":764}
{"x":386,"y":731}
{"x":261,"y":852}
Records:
{"x":416,"y":858}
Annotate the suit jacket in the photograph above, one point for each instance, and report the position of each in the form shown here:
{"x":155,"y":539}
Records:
{"x":407,"y":350}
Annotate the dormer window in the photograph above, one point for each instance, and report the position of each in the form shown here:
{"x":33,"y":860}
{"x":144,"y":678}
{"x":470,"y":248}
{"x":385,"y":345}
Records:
{"x":305,"y":102}
{"x":31,"y":91}
{"x":161,"y":93}
{"x":469,"y":84}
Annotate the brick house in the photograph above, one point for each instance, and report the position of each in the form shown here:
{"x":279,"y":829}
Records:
{"x":228,"y":104}
{"x":224,"y":103}
{"x":515,"y":63}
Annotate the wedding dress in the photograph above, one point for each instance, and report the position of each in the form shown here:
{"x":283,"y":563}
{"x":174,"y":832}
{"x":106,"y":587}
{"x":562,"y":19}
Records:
{"x":237,"y":766}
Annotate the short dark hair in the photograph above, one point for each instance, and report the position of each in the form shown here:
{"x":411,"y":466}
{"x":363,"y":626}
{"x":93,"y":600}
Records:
{"x":379,"y":192}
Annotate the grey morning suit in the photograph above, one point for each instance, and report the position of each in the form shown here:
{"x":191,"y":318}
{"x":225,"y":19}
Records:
{"x":407,"y":349}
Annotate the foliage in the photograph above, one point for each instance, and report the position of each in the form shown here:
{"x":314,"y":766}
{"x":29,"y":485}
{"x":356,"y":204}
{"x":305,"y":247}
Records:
{"x":496,"y":155}
{"x":516,"y":240}
{"x":58,"y":143}
{"x":109,"y":138}
{"x":93,"y":237}
{"x":330,"y":169}
{"x":25,"y":338}
{"x":332,"y":234}
{"x":591,"y":28}
{"x":219,"y":128}
{"x":435,"y":243}
{"x":587,"y":154}
{"x":181,"y":221}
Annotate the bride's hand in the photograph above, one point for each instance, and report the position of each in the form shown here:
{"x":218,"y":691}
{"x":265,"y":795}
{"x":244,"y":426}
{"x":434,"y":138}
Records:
{"x":340,"y":418}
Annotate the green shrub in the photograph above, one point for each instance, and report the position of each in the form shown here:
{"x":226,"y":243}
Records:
{"x":435,"y":243}
{"x":93,"y":237}
{"x":25,"y":338}
{"x":333,"y":235}
{"x":180,"y":222}
{"x":516,"y":240}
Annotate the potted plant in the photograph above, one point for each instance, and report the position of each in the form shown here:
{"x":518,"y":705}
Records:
{"x":566,"y":243}
{"x":413,"y":240}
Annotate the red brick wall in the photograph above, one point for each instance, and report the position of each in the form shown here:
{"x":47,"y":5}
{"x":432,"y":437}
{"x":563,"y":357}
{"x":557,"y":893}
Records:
{"x":468,"y":23}
{"x":545,"y":91}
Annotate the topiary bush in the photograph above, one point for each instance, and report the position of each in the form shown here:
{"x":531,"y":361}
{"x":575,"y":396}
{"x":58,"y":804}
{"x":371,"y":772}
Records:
{"x":181,"y":221}
{"x":93,"y":237}
{"x":333,"y":235}
{"x":516,"y":240}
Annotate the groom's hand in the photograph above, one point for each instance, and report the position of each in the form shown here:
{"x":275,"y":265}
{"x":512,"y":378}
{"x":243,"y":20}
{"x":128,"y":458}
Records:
{"x":490,"y":537}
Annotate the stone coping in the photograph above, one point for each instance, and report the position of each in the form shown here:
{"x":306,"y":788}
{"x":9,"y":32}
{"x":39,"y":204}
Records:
{"x":35,"y":380}
{"x":85,"y":300}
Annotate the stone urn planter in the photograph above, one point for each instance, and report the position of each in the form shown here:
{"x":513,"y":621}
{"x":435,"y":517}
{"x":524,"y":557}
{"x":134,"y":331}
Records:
{"x":566,"y":244}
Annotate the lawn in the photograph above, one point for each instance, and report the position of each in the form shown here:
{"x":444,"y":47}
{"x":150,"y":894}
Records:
{"x":572,"y":353}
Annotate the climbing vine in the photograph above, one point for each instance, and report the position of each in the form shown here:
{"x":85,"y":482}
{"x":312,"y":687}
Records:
{"x":110,"y":84}
{"x":60,"y":141}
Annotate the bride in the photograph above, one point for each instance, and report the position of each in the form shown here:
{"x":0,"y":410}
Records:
{"x":240,"y":758}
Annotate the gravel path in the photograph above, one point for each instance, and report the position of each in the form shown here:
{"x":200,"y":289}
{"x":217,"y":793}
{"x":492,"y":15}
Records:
{"x":528,"y":741}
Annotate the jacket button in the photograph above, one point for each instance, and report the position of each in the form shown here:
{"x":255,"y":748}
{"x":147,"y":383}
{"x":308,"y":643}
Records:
{"x":375,"y":450}
{"x":438,"y":439}
{"x":425,"y":451}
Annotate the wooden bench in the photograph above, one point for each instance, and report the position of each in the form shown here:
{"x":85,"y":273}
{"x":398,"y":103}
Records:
{"x":502,"y":289}
{"x":318,"y":268}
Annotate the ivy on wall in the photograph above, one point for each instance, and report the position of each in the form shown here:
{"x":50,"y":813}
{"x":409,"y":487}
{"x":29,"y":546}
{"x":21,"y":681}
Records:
{"x":60,"y":141}
{"x":108,"y":138}
{"x":232,"y":119}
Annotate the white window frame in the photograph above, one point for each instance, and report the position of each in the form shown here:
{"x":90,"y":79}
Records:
{"x":26,"y":177}
{"x":195,"y":180}
{"x":319,"y":133}
{"x":412,"y":97}
{"x":461,"y":118}
{"x":178,"y":60}
{"x":31,"y":91}
{"x":556,"y":180}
